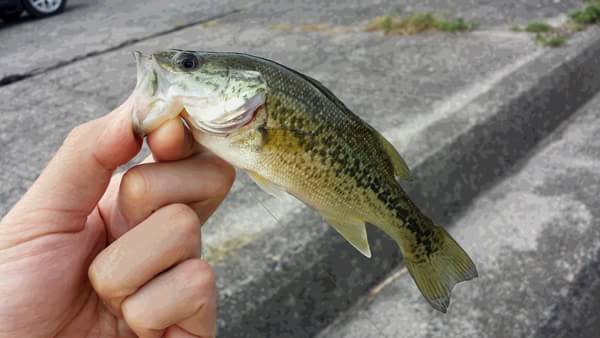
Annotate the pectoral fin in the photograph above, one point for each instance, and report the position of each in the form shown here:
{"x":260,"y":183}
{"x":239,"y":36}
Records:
{"x":353,"y":231}
{"x":268,"y":186}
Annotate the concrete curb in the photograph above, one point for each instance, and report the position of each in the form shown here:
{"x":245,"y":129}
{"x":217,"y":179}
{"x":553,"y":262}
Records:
{"x":305,"y":284}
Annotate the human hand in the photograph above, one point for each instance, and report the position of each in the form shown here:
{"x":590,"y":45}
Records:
{"x":135,"y":236}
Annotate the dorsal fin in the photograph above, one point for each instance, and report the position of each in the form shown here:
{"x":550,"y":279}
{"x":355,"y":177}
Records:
{"x":400,"y":168}
{"x":330,"y":95}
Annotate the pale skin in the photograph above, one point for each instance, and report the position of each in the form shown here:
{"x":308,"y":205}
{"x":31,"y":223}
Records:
{"x":86,"y":253}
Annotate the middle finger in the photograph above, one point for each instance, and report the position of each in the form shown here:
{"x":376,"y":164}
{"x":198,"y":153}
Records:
{"x":200,"y":178}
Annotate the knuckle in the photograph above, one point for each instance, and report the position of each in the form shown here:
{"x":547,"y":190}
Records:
{"x":94,"y":278}
{"x":103,"y":286}
{"x":228,"y":174}
{"x":186,"y":219}
{"x":133,"y":314}
{"x":200,"y":274}
{"x":185,"y":214}
{"x":224,"y":176}
{"x":77,"y":134}
{"x":134,"y":185}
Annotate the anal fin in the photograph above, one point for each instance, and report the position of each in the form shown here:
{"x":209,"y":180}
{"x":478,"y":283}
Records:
{"x":354,"y":231}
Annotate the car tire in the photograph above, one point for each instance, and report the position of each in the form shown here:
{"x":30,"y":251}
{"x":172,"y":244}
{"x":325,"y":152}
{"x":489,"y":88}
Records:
{"x":10,"y":16}
{"x":43,"y":8}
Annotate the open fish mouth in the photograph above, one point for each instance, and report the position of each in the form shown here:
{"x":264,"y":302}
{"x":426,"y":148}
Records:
{"x":150,"y":108}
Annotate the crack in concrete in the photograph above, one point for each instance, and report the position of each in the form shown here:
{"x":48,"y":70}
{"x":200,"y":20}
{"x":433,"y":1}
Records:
{"x":12,"y":78}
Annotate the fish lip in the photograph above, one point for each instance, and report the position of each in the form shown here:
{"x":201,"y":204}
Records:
{"x":138,"y":55}
{"x":146,"y":94}
{"x":141,"y":67}
{"x":148,"y":67}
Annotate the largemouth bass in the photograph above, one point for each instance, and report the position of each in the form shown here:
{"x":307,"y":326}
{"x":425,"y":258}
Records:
{"x":292,"y":135}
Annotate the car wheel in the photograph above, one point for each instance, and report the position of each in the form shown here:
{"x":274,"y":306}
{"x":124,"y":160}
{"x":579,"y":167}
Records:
{"x":10,"y":16}
{"x":42,"y":8}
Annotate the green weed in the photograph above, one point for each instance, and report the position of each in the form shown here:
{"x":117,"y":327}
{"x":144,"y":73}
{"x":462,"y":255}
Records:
{"x":418,"y":23}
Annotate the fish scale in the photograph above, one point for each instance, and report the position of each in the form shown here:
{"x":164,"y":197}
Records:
{"x":304,"y":141}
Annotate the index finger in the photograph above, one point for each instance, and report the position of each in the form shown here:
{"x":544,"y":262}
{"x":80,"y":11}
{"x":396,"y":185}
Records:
{"x":172,"y":141}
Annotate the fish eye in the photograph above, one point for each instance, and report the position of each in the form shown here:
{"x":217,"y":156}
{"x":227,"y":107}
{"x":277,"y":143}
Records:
{"x":186,"y":61}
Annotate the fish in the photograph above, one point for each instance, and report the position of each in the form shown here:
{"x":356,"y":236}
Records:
{"x":293,"y":136}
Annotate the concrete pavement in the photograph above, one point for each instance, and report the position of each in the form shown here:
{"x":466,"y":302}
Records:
{"x":280,"y":275}
{"x":88,"y":28}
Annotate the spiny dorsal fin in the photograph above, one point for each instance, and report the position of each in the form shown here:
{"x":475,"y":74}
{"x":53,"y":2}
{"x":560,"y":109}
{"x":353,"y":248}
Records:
{"x":400,"y":167}
{"x":328,"y":93}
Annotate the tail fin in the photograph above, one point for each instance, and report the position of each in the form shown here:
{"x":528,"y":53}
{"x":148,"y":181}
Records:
{"x":437,"y":274}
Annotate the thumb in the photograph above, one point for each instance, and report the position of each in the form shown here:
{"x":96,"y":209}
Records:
{"x":78,"y":174}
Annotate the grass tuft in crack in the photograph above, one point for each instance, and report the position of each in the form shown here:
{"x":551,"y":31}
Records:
{"x":538,"y":27}
{"x":589,"y":15}
{"x":550,"y":40}
{"x":418,"y":23}
{"x":549,"y":36}
{"x":516,"y":28}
